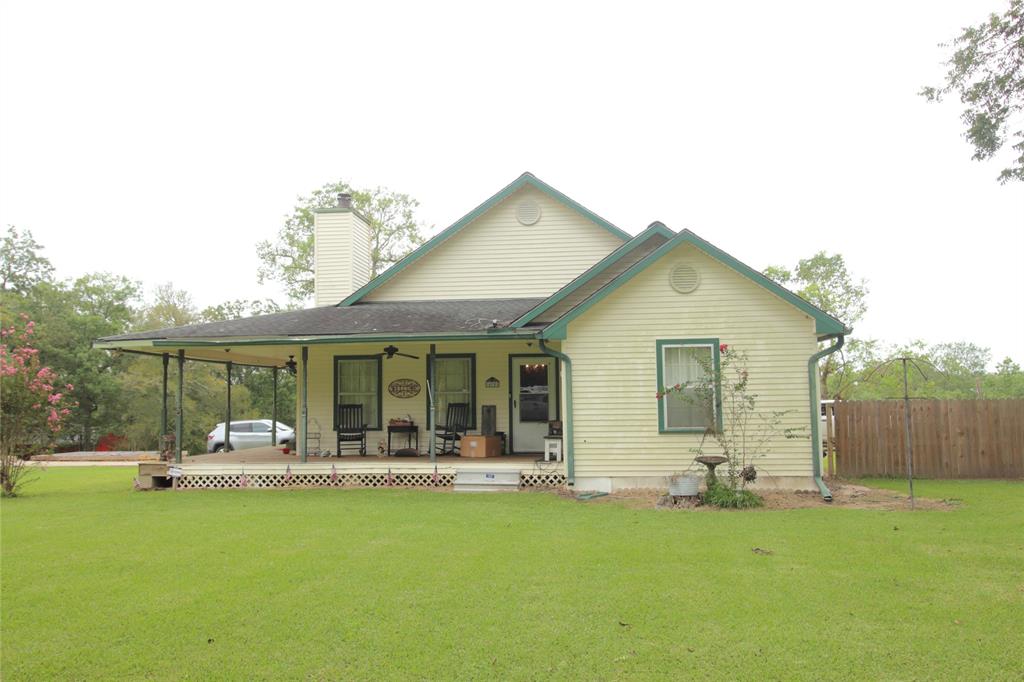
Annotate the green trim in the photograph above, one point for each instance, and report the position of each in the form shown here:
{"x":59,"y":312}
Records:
{"x":825,"y":324}
{"x":813,"y":382}
{"x":442,"y":236}
{"x":511,"y":383}
{"x":472,"y":383}
{"x":570,"y":461}
{"x":380,"y":389}
{"x":348,"y":338}
{"x":594,"y":271}
{"x":716,"y":361}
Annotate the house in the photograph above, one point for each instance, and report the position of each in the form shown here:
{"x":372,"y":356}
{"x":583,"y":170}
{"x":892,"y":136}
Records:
{"x":536,"y":306}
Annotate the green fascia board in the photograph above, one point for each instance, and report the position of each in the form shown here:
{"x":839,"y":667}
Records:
{"x":716,"y":355}
{"x":594,"y":271}
{"x":825,"y":324}
{"x":315,"y":340}
{"x":526,"y":179}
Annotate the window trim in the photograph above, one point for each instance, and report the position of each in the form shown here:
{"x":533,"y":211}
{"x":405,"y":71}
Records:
{"x":472,"y":385}
{"x":661,"y":345}
{"x":380,"y":389}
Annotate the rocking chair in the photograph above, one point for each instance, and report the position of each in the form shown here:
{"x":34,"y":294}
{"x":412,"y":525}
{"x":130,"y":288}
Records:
{"x":351,"y":428}
{"x":456,"y":423}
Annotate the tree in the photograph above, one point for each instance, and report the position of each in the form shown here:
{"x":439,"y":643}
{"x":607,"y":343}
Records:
{"x":70,"y":316}
{"x":33,"y":403}
{"x":987,"y":71}
{"x":824,"y":281}
{"x":21,"y":266}
{"x":394,"y":232}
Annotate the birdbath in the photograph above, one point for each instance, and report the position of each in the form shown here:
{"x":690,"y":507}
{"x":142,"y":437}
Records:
{"x":711,"y":461}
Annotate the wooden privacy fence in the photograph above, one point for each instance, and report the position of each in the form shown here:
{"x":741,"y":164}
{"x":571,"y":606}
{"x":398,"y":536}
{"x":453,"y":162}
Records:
{"x":951,"y":438}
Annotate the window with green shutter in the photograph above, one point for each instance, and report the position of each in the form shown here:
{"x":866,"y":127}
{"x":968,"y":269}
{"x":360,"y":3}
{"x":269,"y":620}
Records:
{"x":454,"y":382}
{"x":357,"y":380}
{"x":687,"y":362}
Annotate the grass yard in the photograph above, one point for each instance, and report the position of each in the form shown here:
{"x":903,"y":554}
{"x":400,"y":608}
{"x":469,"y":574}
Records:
{"x":100,"y":582}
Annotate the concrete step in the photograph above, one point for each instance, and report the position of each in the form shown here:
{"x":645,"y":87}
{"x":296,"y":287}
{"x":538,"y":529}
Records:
{"x":476,"y":481}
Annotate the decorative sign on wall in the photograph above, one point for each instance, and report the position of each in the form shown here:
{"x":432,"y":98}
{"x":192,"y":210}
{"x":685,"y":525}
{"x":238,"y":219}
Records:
{"x":404,"y":388}
{"x":492,"y":382}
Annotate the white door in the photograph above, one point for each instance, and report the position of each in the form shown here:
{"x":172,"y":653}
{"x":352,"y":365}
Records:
{"x":534,"y":402}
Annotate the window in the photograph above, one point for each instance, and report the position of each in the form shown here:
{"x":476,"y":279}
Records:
{"x":241,"y":427}
{"x":260,"y":427}
{"x":687,"y":361}
{"x":357,"y":381}
{"x":454,"y":382}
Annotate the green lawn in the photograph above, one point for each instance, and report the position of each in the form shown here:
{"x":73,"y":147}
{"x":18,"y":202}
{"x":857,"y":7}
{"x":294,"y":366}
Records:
{"x":101,"y":582}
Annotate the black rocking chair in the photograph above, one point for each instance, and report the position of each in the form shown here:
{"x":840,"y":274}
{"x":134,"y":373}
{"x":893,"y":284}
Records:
{"x":454,"y":428}
{"x":351,"y":428}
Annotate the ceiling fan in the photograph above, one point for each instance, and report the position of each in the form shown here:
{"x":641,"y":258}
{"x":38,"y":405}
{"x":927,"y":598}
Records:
{"x":392,"y":351}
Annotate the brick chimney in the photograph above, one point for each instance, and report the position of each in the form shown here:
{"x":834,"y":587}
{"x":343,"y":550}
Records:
{"x":341,"y":252}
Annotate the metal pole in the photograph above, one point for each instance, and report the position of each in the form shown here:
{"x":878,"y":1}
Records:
{"x":273,"y":414}
{"x":906,"y":432}
{"x":227,"y":420}
{"x":179,"y":410}
{"x":305,"y":407}
{"x":163,"y":410}
{"x":430,"y":395}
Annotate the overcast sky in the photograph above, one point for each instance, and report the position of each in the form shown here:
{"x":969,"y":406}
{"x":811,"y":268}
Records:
{"x":162,"y":140}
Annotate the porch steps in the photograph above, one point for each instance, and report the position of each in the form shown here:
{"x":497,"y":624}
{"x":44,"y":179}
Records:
{"x":476,"y":481}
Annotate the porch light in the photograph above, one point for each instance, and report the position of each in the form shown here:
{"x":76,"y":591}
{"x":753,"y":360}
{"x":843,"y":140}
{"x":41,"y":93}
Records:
{"x":291,"y":365}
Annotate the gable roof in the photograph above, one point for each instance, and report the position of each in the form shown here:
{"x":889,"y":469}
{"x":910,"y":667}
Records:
{"x":825,"y":324}
{"x":597,"y":276}
{"x":525,"y":180}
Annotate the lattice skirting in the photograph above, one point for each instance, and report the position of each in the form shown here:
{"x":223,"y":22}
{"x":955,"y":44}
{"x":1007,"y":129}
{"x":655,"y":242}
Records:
{"x":541,"y":480}
{"x":351,"y":480}
{"x":340,"y":480}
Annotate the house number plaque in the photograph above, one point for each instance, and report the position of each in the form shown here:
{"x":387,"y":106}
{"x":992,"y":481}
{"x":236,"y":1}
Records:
{"x":404,"y":388}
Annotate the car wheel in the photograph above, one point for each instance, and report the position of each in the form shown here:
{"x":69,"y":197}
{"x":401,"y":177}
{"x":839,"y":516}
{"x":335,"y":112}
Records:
{"x":220,"y":448}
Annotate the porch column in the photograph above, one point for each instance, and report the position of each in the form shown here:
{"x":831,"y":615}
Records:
{"x":163,"y":399}
{"x":273,"y":413}
{"x":304,"y":406}
{"x":430,"y":394}
{"x":179,"y":425}
{"x":227,"y":421}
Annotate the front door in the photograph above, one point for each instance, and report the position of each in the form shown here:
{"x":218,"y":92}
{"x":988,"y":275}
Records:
{"x":533,"y":382}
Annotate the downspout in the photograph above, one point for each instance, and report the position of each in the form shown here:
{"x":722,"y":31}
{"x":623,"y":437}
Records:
{"x":812,"y":383}
{"x":570,"y":468}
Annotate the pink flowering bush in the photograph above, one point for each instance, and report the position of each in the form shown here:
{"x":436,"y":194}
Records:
{"x":33,"y":402}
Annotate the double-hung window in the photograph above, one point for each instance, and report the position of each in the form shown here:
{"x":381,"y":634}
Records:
{"x":357,"y":381}
{"x":690,"y":364}
{"x":454,"y":382}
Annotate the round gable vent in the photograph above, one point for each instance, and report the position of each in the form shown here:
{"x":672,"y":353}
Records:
{"x":684,"y":278}
{"x":528,"y":212}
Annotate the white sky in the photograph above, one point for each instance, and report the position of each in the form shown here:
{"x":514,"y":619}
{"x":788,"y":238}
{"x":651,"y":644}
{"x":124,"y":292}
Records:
{"x":162,"y":140}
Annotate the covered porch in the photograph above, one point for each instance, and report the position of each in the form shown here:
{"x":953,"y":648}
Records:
{"x":511,"y":384}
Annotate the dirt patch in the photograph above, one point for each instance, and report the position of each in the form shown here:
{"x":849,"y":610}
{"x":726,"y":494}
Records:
{"x":844,"y":495}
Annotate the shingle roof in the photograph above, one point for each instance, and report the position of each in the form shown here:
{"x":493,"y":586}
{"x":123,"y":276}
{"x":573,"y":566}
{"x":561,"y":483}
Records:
{"x":399,"y":317}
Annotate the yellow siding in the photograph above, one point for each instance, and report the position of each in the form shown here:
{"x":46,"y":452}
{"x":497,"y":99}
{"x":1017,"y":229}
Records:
{"x":491,"y":361}
{"x":496,"y":257}
{"x":612,"y":346}
{"x":341,"y":256}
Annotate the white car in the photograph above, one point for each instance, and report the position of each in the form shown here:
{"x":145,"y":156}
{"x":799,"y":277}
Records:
{"x":253,"y":433}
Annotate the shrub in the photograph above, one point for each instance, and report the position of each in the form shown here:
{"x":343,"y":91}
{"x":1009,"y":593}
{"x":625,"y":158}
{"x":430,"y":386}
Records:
{"x":722,"y":496}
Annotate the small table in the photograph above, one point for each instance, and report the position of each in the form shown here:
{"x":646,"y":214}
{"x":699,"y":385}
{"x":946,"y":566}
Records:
{"x":411,"y":431}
